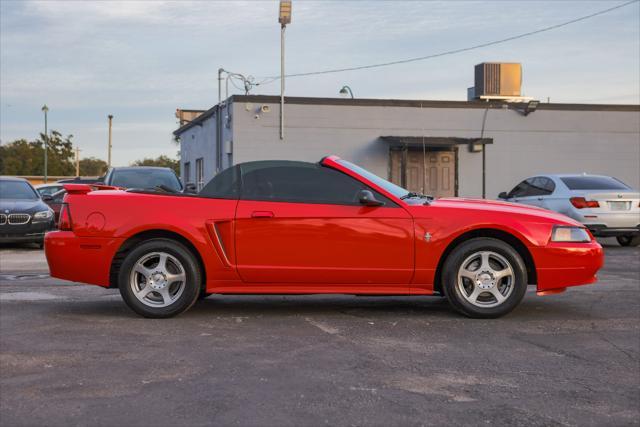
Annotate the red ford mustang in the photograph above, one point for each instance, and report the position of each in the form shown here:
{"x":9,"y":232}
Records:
{"x":284,"y":227}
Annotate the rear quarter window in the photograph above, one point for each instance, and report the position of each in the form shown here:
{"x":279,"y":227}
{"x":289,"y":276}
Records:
{"x":593,"y":183}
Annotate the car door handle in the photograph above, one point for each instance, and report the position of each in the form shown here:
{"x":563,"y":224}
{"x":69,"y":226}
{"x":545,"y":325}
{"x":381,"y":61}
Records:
{"x":262,"y":214}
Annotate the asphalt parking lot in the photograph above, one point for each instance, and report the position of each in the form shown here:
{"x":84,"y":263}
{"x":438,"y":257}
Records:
{"x":73,"y":354}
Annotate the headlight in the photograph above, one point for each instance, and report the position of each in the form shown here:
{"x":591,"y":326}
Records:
{"x":44,"y":215}
{"x":570,"y":234}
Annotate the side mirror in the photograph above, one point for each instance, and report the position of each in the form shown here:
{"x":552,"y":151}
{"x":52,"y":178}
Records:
{"x":503,"y":195}
{"x":190,"y":188}
{"x":47,"y":198}
{"x":367,"y":198}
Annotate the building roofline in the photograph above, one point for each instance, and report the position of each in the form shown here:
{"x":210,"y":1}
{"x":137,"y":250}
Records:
{"x":371,"y":102}
{"x":197,"y":121}
{"x":427,"y":103}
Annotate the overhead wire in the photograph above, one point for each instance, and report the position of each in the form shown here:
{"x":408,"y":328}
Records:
{"x":453,"y":51}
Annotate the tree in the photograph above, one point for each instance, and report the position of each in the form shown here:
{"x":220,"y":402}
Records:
{"x":162,"y":161}
{"x":92,"y":166}
{"x":22,"y":157}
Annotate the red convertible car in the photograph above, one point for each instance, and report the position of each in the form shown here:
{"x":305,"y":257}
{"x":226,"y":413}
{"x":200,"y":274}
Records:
{"x":286,"y":227}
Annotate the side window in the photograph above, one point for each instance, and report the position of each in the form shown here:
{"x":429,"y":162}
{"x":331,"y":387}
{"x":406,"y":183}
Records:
{"x":542,"y":186}
{"x":57,"y":197}
{"x":225,"y":185}
{"x":300,"y":182}
{"x":535,"y":187}
{"x":519,"y":190}
{"x":47,"y":191}
{"x":549,"y":186}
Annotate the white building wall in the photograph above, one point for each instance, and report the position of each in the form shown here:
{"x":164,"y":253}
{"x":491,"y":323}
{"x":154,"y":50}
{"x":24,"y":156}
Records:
{"x":199,"y":141}
{"x":604,"y":142}
{"x":545,"y":141}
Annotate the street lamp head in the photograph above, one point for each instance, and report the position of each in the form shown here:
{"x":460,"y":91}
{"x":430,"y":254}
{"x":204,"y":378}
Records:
{"x":45,"y":108}
{"x":531,"y":107}
{"x":285,"y":12}
{"x":346,"y":91}
{"x":110,"y":116}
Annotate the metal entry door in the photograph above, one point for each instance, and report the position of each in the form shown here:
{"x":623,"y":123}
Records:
{"x":433,"y":172}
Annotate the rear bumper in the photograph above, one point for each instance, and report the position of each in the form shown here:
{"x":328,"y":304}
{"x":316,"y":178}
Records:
{"x":560,"y":265}
{"x":80,"y":259}
{"x":602,"y":230}
{"x":624,"y":219}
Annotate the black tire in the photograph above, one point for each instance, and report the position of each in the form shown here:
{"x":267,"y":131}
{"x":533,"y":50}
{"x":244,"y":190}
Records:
{"x":190,"y":286}
{"x":203,"y":295}
{"x":628,"y":240}
{"x":503,"y":252}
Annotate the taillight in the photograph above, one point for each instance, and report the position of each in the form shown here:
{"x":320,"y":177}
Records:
{"x":581,"y":203}
{"x":64,"y":222}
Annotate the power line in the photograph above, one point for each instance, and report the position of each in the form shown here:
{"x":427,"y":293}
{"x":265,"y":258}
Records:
{"x":454,"y":51}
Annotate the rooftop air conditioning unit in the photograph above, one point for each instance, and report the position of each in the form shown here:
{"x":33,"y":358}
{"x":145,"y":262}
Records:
{"x":498,"y":79}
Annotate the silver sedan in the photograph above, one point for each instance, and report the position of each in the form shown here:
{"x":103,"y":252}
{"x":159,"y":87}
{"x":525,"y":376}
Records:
{"x":605,"y":205}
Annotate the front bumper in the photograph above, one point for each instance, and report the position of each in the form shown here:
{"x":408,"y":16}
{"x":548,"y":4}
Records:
{"x":80,"y":259}
{"x":560,"y":265}
{"x":32,"y":232}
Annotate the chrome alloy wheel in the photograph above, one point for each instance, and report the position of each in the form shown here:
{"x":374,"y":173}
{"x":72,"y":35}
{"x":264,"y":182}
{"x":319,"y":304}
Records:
{"x":157,"y":279}
{"x":486,"y":279}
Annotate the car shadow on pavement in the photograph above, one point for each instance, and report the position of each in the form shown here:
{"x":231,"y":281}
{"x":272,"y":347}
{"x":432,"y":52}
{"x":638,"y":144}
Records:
{"x":270,"y":306}
{"x":226,"y":306}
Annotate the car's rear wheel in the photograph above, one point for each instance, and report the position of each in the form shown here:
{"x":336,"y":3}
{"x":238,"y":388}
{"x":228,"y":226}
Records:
{"x":628,"y":240}
{"x":159,"y":278}
{"x":484,"y":278}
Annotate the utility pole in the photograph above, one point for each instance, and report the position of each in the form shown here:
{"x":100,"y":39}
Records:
{"x":284,"y":19}
{"x":109,"y":147}
{"x":45,"y":110}
{"x":77,"y":161}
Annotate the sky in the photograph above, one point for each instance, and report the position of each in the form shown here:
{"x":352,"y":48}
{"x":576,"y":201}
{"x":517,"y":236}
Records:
{"x":140,"y":60}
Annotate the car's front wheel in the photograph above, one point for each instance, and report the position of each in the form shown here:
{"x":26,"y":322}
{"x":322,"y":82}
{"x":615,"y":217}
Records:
{"x":484,"y":278}
{"x":628,"y":240}
{"x":159,"y":278}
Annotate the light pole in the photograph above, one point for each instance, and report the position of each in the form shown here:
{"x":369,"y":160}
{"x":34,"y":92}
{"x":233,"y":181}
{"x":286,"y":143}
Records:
{"x":284,"y":19}
{"x":220,"y":71}
{"x":110,"y":116}
{"x":45,"y":110}
{"x":77,"y":161}
{"x":346,"y":90}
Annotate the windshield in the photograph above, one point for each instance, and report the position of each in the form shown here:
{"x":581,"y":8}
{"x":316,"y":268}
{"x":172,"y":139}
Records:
{"x":17,"y":190}
{"x":396,"y":190}
{"x":593,"y":183}
{"x":146,"y":179}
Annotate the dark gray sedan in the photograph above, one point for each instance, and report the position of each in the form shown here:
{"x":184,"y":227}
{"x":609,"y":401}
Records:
{"x":24,"y":216}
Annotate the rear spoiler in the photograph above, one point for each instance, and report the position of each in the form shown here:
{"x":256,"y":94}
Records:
{"x":87,"y":188}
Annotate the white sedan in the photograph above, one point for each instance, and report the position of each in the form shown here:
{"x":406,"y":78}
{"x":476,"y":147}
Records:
{"x":605,"y":205}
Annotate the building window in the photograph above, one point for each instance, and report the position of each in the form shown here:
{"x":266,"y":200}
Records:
{"x":200,"y":173}
{"x":186,"y":172}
